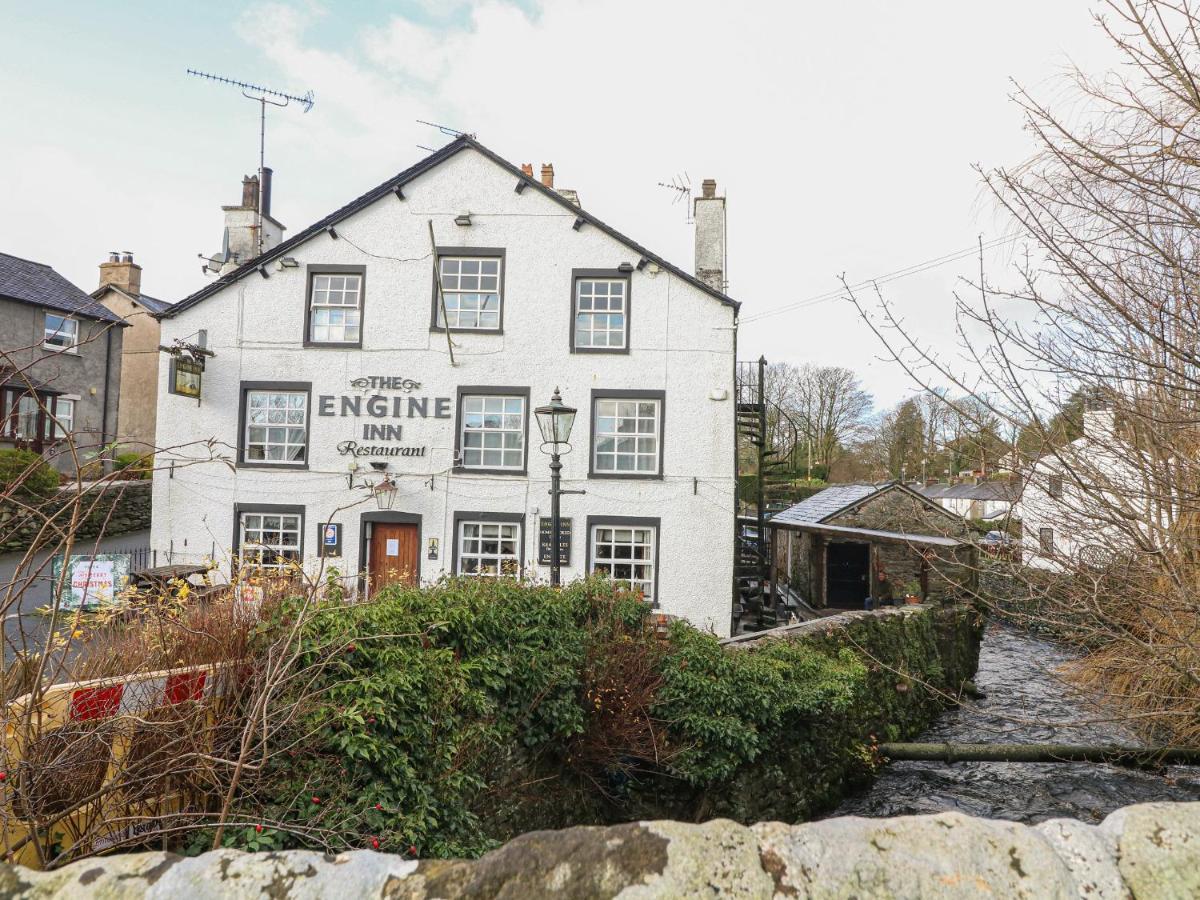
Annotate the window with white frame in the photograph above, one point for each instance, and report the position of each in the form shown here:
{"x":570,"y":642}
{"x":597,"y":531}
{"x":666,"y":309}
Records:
{"x":62,"y":332}
{"x":627,"y":436}
{"x":625,"y":555}
{"x":601,"y":305}
{"x":270,"y":540}
{"x":64,"y":417}
{"x":29,"y":410}
{"x":276,"y":426}
{"x":471,"y":293}
{"x":489,"y":548}
{"x":492,"y":432}
{"x":335,"y":309}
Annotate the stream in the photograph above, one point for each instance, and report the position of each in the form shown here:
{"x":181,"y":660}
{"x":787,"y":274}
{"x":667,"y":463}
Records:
{"x":1024,"y":702}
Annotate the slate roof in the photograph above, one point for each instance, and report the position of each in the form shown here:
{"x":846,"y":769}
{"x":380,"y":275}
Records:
{"x":39,"y":285}
{"x":395,"y":183}
{"x":826,"y":503}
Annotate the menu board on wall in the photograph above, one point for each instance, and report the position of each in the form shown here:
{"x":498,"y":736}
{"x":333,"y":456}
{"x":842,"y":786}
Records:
{"x":546,"y":540}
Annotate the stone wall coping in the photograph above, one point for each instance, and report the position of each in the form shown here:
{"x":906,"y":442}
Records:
{"x":1149,"y":850}
{"x":838,"y":620}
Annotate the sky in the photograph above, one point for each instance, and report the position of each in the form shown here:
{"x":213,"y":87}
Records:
{"x":843,"y":134}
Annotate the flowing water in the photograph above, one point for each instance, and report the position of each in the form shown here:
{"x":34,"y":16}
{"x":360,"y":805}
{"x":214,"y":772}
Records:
{"x":1025,"y":702}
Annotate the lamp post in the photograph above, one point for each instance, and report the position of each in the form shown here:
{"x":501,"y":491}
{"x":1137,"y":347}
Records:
{"x":555,"y":420}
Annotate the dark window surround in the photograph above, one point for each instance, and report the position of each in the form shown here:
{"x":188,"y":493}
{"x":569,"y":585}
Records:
{"x":490,"y":391}
{"x":1045,"y":540}
{"x":276,"y":508}
{"x":1054,"y":486}
{"x":48,"y":411}
{"x":602,"y":394}
{"x":332,"y":269}
{"x":613,"y":275}
{"x":499,"y":252}
{"x":396,"y":518}
{"x":508,"y":518}
{"x":654,"y":522}
{"x":247,"y":386}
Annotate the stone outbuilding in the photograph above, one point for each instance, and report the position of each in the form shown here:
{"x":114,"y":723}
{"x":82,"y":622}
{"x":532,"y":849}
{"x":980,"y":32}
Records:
{"x":854,"y":541}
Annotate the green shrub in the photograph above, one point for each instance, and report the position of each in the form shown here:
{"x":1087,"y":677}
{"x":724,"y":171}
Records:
{"x":134,"y":465}
{"x":37,"y":478}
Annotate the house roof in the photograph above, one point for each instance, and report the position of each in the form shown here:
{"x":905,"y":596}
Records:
{"x":395,"y":183}
{"x":37,"y":284}
{"x":151,"y":304}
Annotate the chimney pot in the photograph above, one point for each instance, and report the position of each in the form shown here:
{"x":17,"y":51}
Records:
{"x":548,"y":174}
{"x":250,"y":192}
{"x":266,"y":191}
{"x":708,"y":188}
{"x":126,"y":257}
{"x":527,"y":168}
{"x":114,"y":256}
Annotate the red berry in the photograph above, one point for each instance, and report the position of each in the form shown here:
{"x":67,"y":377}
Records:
{"x":371,"y":721}
{"x":317,"y":800}
{"x":3,"y":775}
{"x":379,"y":806}
{"x":258,"y":828}
{"x":350,"y":649}
{"x":412,"y":849}
{"x":375,"y":843}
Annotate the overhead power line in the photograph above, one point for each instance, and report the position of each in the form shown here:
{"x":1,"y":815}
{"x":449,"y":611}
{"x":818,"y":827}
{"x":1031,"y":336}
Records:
{"x":894,"y":275}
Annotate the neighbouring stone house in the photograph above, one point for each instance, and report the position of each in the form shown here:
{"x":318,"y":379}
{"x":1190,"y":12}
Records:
{"x":120,"y":292}
{"x":987,"y":501}
{"x":60,"y":365}
{"x":854,"y":541}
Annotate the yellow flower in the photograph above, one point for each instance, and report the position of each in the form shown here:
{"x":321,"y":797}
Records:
{"x":76,"y":633}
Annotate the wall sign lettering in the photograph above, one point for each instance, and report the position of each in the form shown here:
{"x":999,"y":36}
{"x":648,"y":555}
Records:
{"x":380,"y":406}
{"x":546,"y":540}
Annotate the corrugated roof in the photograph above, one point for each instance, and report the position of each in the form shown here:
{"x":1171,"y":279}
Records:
{"x":37,"y":284}
{"x":826,"y":503}
{"x":396,"y":183}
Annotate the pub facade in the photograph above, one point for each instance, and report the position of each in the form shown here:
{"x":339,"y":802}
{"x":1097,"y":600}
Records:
{"x":363,"y":399}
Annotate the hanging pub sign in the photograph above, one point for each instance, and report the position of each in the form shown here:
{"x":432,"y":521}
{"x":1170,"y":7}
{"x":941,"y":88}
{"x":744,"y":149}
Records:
{"x":546,"y":541}
{"x":186,"y":376}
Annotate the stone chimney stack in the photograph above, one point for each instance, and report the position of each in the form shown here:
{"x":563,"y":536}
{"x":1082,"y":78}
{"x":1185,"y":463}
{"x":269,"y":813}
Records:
{"x":548,"y":174}
{"x":122,"y":272}
{"x":240,"y":242}
{"x":709,"y":213}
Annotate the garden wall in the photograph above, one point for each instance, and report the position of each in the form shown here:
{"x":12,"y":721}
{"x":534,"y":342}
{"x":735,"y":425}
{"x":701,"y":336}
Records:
{"x":113,"y":507}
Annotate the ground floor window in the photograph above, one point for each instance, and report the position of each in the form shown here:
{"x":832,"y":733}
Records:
{"x":270,"y":540}
{"x":489,"y":548}
{"x":1046,"y":540}
{"x":626,"y":554}
{"x":64,"y":417}
{"x":35,"y":419}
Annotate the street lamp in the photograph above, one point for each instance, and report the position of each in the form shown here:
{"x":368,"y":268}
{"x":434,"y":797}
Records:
{"x":555,"y":420}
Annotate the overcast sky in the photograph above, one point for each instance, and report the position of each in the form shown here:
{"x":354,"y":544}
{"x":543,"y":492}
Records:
{"x":842,"y":133}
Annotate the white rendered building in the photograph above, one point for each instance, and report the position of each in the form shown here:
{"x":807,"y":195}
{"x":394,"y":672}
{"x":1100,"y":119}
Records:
{"x":333,"y":367}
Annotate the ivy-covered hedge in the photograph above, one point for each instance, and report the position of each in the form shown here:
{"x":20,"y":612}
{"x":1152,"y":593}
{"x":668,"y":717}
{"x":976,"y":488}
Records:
{"x":449,"y":718}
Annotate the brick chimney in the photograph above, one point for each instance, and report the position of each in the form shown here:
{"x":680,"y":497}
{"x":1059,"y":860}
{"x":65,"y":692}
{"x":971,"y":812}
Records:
{"x":122,"y":272}
{"x":709,"y":213}
{"x":527,"y":168}
{"x":548,"y":174}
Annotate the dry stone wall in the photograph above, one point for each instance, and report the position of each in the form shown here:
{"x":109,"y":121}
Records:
{"x":1147,"y":851}
{"x":113,"y":508}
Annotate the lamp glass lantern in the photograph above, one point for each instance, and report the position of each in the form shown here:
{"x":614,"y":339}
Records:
{"x":385,"y":494}
{"x":555,"y":420}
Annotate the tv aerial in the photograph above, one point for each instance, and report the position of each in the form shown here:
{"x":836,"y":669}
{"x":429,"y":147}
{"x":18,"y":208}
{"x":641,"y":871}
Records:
{"x":262,"y":96}
{"x":681,"y":186}
{"x":443,"y":129}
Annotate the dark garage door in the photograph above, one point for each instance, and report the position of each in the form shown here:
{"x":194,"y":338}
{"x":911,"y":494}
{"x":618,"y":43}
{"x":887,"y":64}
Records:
{"x":847,"y":567}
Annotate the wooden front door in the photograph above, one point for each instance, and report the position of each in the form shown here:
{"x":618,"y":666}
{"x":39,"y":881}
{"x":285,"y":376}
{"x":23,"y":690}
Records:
{"x":394,"y":554}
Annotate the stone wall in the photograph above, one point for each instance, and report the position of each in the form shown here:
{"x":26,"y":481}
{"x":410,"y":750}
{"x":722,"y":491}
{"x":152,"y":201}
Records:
{"x":113,"y":507}
{"x":1151,"y":850}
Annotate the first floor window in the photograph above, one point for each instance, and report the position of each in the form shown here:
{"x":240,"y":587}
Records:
{"x":627,"y":437}
{"x":335,"y":309}
{"x":62,"y":333}
{"x":1055,"y":486}
{"x":270,"y":540}
{"x":64,"y":417}
{"x":276,"y":426}
{"x":471,"y":293}
{"x":625,"y":555}
{"x":489,"y":548}
{"x":493,"y":432}
{"x":1046,"y":540}
{"x":600,"y":307}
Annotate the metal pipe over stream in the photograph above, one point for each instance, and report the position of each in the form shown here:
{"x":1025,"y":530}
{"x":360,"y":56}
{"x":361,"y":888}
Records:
{"x":1138,"y":757}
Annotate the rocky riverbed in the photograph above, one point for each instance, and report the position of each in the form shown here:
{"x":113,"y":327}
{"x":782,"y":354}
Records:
{"x":1025,"y":701}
